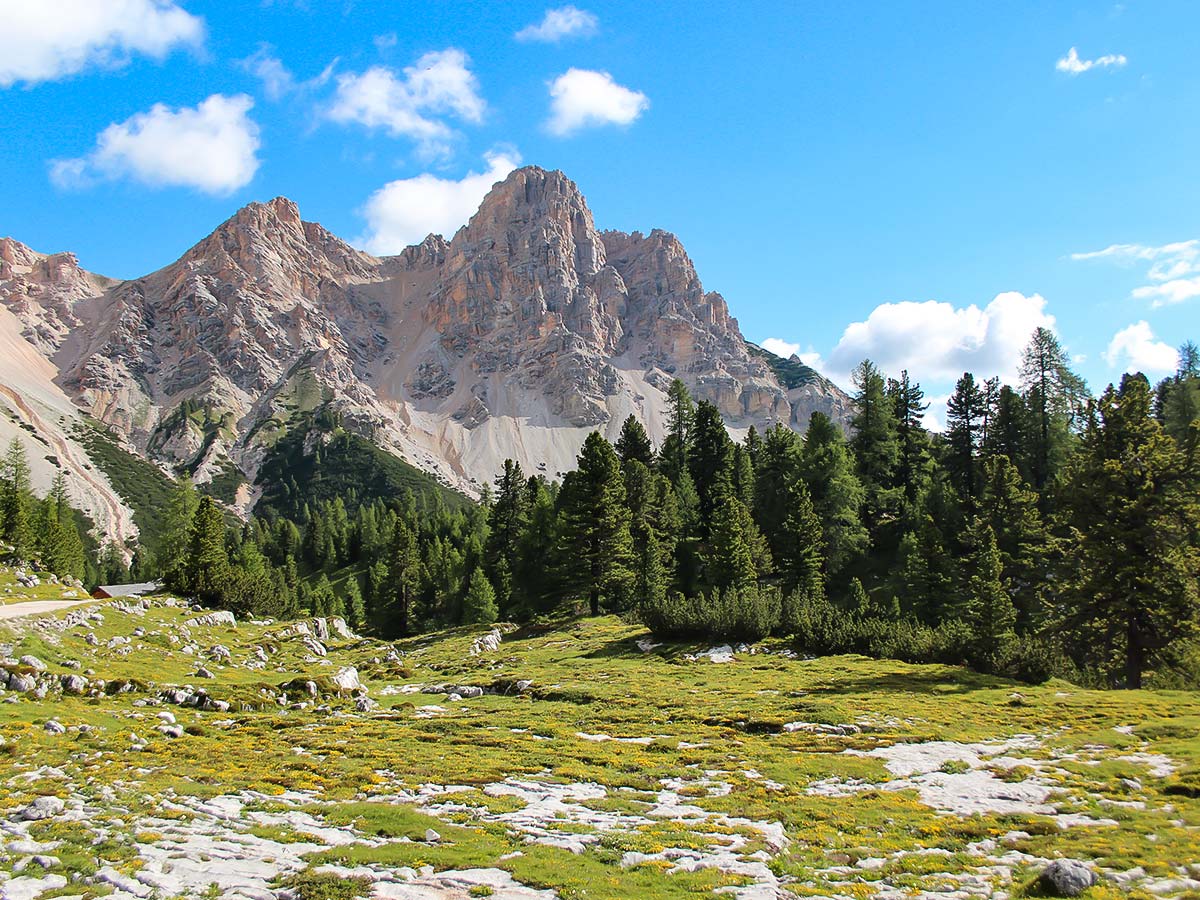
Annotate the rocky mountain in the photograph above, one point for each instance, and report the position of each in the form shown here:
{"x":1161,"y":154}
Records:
{"x":524,"y":332}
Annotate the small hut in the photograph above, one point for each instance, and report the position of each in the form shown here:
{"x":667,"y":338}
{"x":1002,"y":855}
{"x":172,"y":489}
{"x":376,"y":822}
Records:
{"x":116,"y":591}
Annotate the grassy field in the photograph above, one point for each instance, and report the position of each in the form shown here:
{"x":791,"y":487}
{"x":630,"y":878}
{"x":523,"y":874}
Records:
{"x":620,"y":770}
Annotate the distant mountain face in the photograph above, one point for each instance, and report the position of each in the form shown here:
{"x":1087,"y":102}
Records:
{"x":516,"y":338}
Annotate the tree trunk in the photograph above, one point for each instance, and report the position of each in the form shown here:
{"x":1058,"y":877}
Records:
{"x":1134,"y":655}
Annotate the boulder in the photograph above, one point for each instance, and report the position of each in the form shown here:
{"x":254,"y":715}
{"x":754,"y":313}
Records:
{"x":220,"y":617}
{"x":204,"y":673}
{"x":22,"y":684}
{"x":1066,"y":878}
{"x":73,"y":684}
{"x":346,"y":679}
{"x":53,"y":727}
{"x":33,"y":662}
{"x":41,"y":808}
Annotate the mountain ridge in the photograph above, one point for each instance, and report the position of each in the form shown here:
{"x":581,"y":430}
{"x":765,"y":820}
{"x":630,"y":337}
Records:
{"x":524,"y":331}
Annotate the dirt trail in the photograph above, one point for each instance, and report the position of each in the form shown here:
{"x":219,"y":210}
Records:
{"x":119,"y":524}
{"x":37,"y":607}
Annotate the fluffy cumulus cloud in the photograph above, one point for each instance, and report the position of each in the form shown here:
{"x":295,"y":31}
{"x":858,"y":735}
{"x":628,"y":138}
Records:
{"x":404,"y":212}
{"x":564,"y":22}
{"x":43,"y":41}
{"x":1135,"y":349}
{"x":581,"y":98}
{"x":410,"y":104}
{"x":1173,"y":272}
{"x":1073,"y":65}
{"x":212,"y":147}
{"x":937,"y":342}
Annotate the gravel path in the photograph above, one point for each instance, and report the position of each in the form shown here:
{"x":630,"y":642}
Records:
{"x":34,"y":607}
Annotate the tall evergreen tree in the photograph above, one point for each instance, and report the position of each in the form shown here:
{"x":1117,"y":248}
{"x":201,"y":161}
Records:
{"x":1134,"y":508}
{"x":634,"y":444}
{"x":827,"y":468}
{"x":1053,"y":395}
{"x":507,"y":520}
{"x":479,"y":604}
{"x":875,"y":443}
{"x":673,"y":455}
{"x":394,"y":614}
{"x":990,"y":609}
{"x":966,"y":412}
{"x":710,"y":456}
{"x":913,"y":463}
{"x":206,"y":568}
{"x":16,"y":500}
{"x":596,"y":525}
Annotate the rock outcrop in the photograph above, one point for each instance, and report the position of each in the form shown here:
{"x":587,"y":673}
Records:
{"x":522,"y":333}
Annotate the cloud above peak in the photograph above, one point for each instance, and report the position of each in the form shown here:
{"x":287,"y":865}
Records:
{"x":212,"y":147}
{"x":937,"y":342}
{"x":43,"y":41}
{"x":405,"y":211}
{"x":582,"y":98}
{"x":1073,"y":65}
{"x":410,"y":104}
{"x":560,"y":23}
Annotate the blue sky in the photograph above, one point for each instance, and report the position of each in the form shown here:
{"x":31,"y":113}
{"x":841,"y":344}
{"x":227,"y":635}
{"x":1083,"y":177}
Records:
{"x":923,"y":182}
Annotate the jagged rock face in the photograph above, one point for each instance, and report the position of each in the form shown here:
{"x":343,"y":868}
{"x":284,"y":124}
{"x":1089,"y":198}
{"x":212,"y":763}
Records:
{"x":515,"y":338}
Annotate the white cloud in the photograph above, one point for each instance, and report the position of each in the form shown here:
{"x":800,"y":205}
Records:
{"x":277,"y":79}
{"x":212,"y":147}
{"x":440,"y":83}
{"x":44,"y":41}
{"x":264,"y":65}
{"x":1135,"y":349}
{"x":780,"y":347}
{"x":937,"y":342}
{"x":564,"y":22}
{"x":581,"y":98}
{"x":1174,"y":272}
{"x":404,"y":212}
{"x":1073,"y":65}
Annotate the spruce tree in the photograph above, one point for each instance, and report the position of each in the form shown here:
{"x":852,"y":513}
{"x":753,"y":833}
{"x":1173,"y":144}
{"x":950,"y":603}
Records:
{"x":966,"y":412}
{"x":1132,"y":501}
{"x":595,"y":525}
{"x":206,"y":567}
{"x":827,"y":467}
{"x":673,"y":455}
{"x":507,"y":520}
{"x":15,"y":500}
{"x":479,"y":604}
{"x":735,"y":545}
{"x":989,"y":607}
{"x":1010,"y":509}
{"x":913,"y":461}
{"x":1053,"y":396}
{"x":634,"y":444}
{"x":394,"y":613}
{"x":875,"y":444}
{"x":710,"y":457}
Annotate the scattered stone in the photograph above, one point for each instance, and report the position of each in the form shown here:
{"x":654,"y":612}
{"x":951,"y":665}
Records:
{"x":432,"y":837}
{"x":53,"y":727}
{"x":346,"y":679}
{"x":42,"y":808}
{"x":1066,"y":878}
{"x":486,"y":643}
{"x":220,"y":617}
{"x":73,"y":684}
{"x":33,"y":662}
{"x":204,"y":673}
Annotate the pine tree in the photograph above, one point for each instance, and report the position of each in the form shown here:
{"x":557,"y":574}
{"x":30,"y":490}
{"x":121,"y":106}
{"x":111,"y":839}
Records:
{"x":774,"y":482}
{"x":507,"y":520}
{"x":1181,"y":405}
{"x":15,"y":500}
{"x":404,"y":572}
{"x":536,"y":582}
{"x":1010,"y":509}
{"x":1053,"y":395}
{"x":966,"y":413}
{"x":206,"y":568}
{"x":356,"y":611}
{"x":710,"y":457}
{"x":827,"y":468}
{"x":913,"y":463}
{"x":875,"y":444}
{"x":735,"y":545}
{"x":479,"y":604}
{"x":673,"y":455}
{"x":1132,"y":502}
{"x":634,"y":444}
{"x":990,"y":609}
{"x":595,"y":519}
{"x":1008,"y":424}
{"x":800,"y":561}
